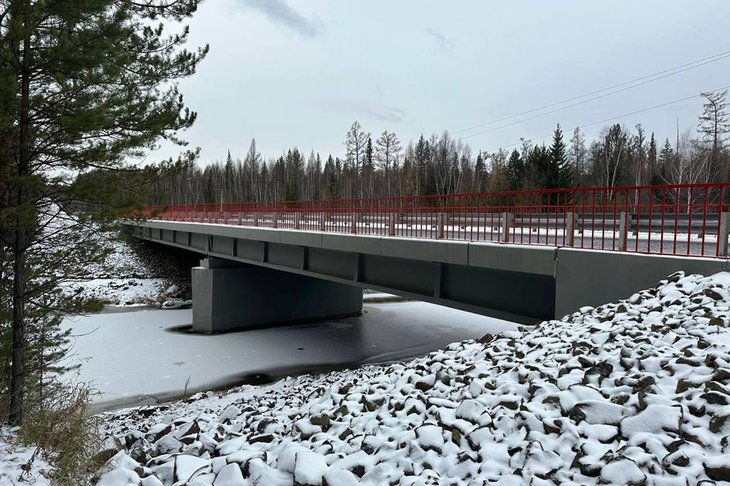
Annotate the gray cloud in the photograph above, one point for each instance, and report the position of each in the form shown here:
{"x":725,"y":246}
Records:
{"x":391,"y":114}
{"x":443,"y":42}
{"x":278,"y":11}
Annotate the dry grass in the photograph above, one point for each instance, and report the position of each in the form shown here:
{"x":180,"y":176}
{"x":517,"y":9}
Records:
{"x":66,"y":434}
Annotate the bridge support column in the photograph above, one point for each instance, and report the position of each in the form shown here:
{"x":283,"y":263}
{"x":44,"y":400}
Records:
{"x":228,"y":296}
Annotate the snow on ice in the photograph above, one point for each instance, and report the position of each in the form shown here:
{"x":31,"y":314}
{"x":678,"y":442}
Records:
{"x":636,"y":392}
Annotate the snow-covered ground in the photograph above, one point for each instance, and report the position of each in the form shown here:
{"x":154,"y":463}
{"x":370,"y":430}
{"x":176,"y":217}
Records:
{"x":122,"y":279}
{"x":636,"y":392}
{"x":19,"y":464}
{"x":135,"y":357}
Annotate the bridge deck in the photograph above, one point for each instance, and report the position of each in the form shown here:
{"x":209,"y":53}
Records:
{"x":520,"y":283}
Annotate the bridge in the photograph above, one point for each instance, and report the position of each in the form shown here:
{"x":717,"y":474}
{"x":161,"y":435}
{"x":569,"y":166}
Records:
{"x":523,"y":256}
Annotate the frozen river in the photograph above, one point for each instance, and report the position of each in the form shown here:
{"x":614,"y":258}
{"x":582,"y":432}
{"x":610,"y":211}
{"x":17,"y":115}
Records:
{"x":136,"y":357}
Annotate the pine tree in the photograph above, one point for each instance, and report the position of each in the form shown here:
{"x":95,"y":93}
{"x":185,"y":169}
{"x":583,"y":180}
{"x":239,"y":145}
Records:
{"x":88,"y":84}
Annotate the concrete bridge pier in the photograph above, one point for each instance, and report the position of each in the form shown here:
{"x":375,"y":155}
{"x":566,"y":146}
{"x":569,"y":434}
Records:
{"x":233,"y":296}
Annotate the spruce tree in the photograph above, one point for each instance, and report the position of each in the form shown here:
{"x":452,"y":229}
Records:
{"x":539,"y":167}
{"x":480,"y":173}
{"x":652,"y":161}
{"x":560,"y":174}
{"x":515,"y":170}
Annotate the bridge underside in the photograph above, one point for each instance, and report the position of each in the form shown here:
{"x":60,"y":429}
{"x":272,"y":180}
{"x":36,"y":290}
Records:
{"x":230,"y":296}
{"x":256,"y":277}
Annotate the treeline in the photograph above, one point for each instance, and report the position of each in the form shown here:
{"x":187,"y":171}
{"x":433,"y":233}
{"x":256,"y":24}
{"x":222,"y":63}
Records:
{"x":442,"y":164}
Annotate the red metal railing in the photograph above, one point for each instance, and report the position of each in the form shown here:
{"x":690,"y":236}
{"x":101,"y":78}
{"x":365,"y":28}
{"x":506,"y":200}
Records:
{"x":670,"y":220}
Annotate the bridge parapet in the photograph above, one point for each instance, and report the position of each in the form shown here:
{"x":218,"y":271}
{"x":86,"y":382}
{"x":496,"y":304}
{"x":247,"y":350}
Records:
{"x":684,"y":220}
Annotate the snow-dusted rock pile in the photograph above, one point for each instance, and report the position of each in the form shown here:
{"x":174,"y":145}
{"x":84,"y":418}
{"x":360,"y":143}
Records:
{"x":636,"y":392}
{"x":122,"y":278}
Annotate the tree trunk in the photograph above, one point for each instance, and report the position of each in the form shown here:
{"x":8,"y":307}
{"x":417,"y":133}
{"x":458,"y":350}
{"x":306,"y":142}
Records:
{"x":20,"y":245}
{"x":15,"y":417}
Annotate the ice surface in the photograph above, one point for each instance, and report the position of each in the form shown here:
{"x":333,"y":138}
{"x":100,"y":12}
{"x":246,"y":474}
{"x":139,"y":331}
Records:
{"x":133,"y":357}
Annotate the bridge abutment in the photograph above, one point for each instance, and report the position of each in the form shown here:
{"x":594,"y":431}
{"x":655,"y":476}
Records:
{"x":228,"y":296}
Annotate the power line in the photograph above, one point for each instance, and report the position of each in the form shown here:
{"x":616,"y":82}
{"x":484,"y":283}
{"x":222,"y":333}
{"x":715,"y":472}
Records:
{"x":571,"y":105}
{"x":635,"y":83}
{"x":661,"y":105}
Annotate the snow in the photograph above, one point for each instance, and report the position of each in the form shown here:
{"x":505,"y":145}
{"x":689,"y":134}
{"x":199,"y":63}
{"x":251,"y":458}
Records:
{"x":121,"y":279}
{"x":655,"y":419}
{"x":188,"y":466}
{"x":309,"y":468}
{"x":118,"y":291}
{"x":229,"y":475}
{"x":569,"y":410}
{"x":622,"y":471}
{"x":20,"y":464}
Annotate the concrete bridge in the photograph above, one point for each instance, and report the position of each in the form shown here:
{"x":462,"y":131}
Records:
{"x":257,"y":276}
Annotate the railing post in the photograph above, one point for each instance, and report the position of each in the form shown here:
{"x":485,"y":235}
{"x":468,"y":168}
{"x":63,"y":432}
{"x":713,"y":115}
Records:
{"x":353,"y":223}
{"x":440,"y":226}
{"x":276,"y":219}
{"x":623,"y":230}
{"x":297,"y":219}
{"x":256,"y":219}
{"x":391,"y":224}
{"x":569,"y":229}
{"x":322,"y":222}
{"x":507,"y":223}
{"x":724,"y":232}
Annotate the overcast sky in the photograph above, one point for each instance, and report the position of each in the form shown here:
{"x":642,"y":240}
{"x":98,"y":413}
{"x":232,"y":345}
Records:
{"x":299,"y":72}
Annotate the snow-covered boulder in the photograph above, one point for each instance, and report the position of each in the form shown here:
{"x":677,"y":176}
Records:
{"x":633,"y":392}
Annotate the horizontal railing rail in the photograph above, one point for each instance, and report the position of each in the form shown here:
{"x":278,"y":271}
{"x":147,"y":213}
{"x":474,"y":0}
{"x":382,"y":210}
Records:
{"x":687,"y":219}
